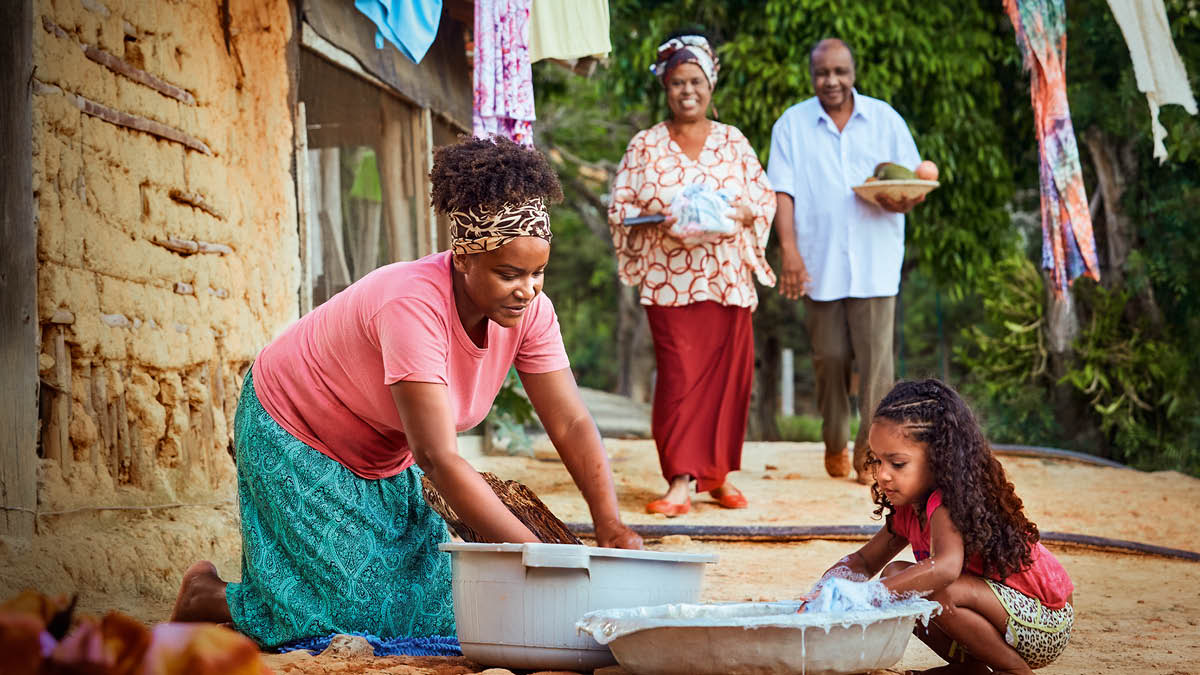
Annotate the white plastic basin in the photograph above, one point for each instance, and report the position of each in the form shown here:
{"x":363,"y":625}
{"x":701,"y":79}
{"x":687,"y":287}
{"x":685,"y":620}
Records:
{"x":754,"y":638}
{"x":516,"y":605}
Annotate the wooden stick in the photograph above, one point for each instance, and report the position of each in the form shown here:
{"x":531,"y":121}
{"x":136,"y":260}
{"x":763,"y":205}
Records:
{"x":129,"y":121}
{"x":122,"y":67}
{"x":137,"y":75}
{"x":187,"y":247}
{"x":196,"y":200}
{"x":62,"y":398}
{"x":520,"y":501}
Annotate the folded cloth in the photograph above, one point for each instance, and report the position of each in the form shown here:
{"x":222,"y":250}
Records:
{"x":411,"y":25}
{"x":397,"y":646}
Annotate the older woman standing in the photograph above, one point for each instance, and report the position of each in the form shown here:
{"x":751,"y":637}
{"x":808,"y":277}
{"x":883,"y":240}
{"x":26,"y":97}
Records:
{"x":342,"y":413}
{"x":698,"y":297}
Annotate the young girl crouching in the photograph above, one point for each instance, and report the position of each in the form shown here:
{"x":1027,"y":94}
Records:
{"x":1006,"y":600}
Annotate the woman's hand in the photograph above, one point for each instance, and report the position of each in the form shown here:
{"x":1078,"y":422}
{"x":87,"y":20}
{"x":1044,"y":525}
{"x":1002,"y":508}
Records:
{"x":617,"y":535}
{"x":743,"y":215}
{"x":668,"y":217}
{"x":793,"y":279}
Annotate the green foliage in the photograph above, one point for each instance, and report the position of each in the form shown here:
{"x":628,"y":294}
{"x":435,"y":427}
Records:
{"x":1139,"y":385}
{"x":950,"y":69}
{"x":1006,"y":357}
{"x":510,"y":413}
{"x":806,"y":428}
{"x":953,"y":72}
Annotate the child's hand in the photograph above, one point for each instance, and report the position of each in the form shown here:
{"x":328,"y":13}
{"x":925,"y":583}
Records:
{"x":805,"y":599}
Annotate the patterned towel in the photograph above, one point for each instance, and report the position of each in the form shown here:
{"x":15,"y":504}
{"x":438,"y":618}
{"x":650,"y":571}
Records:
{"x":398,"y":646}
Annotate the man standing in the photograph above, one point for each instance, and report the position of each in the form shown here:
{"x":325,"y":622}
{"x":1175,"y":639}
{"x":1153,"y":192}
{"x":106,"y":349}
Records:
{"x":841,"y":252}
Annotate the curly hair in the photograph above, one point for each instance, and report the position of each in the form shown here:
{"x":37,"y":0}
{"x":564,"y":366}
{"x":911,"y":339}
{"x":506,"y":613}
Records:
{"x":488,"y":172}
{"x":980,"y":498}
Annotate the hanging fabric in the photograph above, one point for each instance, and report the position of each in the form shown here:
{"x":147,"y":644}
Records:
{"x":1156,"y":64}
{"x":568,"y":29}
{"x":503,"y":76}
{"x":1068,"y":246}
{"x":410,"y":25}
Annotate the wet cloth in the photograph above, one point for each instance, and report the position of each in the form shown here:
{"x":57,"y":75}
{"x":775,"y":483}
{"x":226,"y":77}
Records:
{"x":568,"y":29}
{"x":1045,"y":579}
{"x":851,"y":248}
{"x":325,"y":551}
{"x":671,"y":273}
{"x":705,"y":358}
{"x":410,"y":25}
{"x":1159,"y":71}
{"x":1038,"y":633}
{"x":503,"y":75}
{"x":1068,"y":245}
{"x":325,"y":379}
{"x":398,"y":646}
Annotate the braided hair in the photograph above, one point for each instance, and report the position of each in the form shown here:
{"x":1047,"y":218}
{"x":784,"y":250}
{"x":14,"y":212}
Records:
{"x":980,"y":498}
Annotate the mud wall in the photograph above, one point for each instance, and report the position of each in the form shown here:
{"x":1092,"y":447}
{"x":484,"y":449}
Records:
{"x":167,"y":241}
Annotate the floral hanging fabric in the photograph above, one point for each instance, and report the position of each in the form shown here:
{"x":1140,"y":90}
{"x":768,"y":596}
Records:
{"x":503,"y":76}
{"x":1068,"y":245}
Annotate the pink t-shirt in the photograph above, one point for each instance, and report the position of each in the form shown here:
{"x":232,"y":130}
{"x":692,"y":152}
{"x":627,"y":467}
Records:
{"x":1045,"y":580}
{"x":325,"y":379}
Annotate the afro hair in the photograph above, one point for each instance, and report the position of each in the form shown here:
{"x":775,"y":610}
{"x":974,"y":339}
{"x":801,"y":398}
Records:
{"x":488,"y":172}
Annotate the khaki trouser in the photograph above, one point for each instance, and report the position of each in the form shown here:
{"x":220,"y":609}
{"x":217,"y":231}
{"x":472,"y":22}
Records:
{"x":850,"y":331}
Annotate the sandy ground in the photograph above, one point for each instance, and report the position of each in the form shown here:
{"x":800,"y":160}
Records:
{"x":1134,"y":613}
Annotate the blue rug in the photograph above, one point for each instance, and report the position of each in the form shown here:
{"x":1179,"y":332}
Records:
{"x":398,"y":646}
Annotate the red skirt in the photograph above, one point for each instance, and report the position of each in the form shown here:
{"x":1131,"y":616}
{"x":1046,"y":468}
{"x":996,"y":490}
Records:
{"x":705,"y":357}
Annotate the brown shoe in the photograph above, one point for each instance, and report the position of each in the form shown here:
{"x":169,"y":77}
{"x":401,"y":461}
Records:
{"x":837,"y":464}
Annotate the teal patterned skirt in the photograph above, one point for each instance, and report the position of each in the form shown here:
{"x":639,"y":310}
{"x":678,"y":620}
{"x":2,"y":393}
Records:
{"x":325,"y":551}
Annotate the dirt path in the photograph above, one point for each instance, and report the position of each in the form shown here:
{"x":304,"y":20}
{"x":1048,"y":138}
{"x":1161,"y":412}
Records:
{"x":1134,"y":613}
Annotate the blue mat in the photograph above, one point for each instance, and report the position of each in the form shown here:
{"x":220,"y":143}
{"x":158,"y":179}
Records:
{"x":398,"y":646}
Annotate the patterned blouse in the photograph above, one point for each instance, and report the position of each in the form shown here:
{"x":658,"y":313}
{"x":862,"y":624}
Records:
{"x":670,"y":272}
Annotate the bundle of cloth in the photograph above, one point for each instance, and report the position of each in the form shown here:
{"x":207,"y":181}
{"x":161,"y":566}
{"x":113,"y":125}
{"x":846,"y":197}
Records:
{"x":702,"y":214}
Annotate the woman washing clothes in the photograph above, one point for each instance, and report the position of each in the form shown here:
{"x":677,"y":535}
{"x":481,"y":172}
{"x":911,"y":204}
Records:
{"x":698,"y":296}
{"x":342,"y":413}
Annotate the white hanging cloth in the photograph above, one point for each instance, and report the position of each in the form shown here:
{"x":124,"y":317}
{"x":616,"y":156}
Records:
{"x":1156,"y":63}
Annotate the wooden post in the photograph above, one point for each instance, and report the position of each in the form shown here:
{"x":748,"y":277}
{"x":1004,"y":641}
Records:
{"x":392,"y":163}
{"x":425,"y":203}
{"x":19,"y":331}
{"x":302,"y":215}
{"x":787,"y":389}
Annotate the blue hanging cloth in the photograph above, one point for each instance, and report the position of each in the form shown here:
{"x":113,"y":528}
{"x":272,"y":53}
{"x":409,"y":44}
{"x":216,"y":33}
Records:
{"x":410,"y":25}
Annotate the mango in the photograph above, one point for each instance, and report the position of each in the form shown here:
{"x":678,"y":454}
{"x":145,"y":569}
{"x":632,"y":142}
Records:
{"x":892,"y":171}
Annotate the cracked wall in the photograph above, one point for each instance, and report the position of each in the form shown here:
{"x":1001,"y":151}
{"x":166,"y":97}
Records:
{"x":167,"y":246}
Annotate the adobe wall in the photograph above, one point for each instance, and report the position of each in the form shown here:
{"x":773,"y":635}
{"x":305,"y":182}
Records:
{"x":167,"y":257}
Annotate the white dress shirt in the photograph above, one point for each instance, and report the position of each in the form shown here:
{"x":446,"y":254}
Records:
{"x":852,"y":248}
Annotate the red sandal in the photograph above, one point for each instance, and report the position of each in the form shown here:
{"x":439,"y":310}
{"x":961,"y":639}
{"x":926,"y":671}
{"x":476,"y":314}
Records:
{"x":731,"y":498}
{"x":668,"y":509}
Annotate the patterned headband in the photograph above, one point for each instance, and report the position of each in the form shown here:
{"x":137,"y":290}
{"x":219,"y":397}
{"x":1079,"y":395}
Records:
{"x":481,"y":229}
{"x":687,"y":49}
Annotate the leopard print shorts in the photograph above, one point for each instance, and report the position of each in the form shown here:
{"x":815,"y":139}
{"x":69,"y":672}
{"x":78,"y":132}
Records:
{"x":1038,"y":633}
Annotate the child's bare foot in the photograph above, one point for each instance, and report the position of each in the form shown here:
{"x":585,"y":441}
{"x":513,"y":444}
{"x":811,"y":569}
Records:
{"x":201,"y":596}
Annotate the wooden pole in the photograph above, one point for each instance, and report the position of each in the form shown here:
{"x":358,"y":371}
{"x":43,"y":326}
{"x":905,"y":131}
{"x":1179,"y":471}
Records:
{"x":19,"y":331}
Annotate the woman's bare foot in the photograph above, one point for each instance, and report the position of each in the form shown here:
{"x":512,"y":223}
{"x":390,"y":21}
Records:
{"x":201,"y":596}
{"x":680,"y":490}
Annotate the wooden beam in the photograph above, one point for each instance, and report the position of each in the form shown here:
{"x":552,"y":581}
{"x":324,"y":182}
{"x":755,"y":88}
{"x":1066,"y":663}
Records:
{"x":300,"y":150}
{"x":19,"y":331}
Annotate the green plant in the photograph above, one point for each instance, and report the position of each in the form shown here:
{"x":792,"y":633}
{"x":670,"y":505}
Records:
{"x":806,"y":428}
{"x":510,"y":413}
